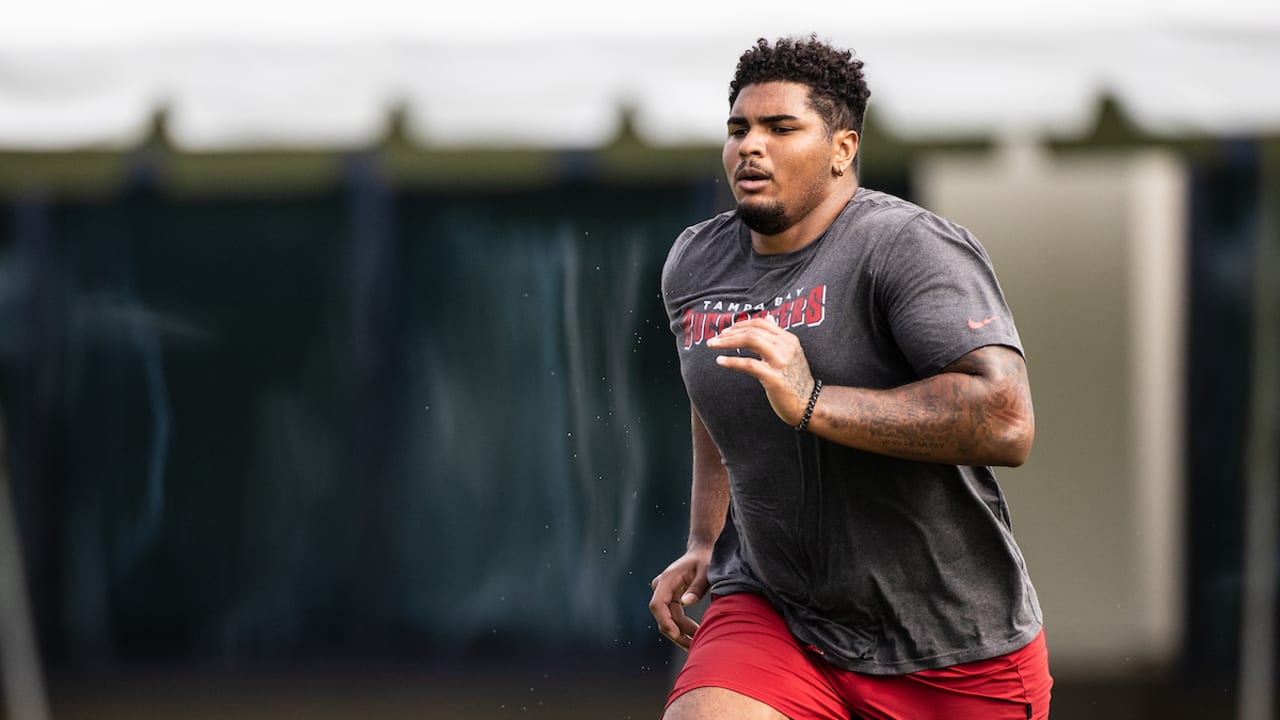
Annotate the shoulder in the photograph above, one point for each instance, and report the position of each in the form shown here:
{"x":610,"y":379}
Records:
{"x":875,"y":220}
{"x":707,"y":229}
{"x":872,"y":207}
{"x":892,"y":224}
{"x":698,"y":238}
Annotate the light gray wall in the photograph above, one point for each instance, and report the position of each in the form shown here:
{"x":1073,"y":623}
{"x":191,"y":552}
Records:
{"x":1089,"y":250}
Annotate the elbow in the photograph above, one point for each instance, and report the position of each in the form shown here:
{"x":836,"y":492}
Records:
{"x":1013,"y":423}
{"x":1014,"y":443}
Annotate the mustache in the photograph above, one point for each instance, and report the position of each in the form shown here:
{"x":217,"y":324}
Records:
{"x":749,"y":169}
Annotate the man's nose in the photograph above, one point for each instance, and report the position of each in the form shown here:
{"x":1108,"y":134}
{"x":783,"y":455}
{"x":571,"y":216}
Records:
{"x":752,"y":144}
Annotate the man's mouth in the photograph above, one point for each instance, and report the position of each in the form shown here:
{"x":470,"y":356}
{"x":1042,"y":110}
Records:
{"x":750,"y":178}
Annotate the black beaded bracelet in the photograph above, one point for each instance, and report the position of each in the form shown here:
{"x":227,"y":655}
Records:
{"x":813,"y":401}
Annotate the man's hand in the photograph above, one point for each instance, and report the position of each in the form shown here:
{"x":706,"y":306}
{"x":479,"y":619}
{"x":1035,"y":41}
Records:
{"x":780,"y":365}
{"x":682,"y":584}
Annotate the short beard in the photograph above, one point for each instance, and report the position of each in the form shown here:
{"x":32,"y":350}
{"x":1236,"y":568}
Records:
{"x":770,"y":219}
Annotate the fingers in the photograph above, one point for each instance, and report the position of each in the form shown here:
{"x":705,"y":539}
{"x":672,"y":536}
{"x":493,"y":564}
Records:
{"x":771,"y":355}
{"x":687,"y":627}
{"x":758,"y":343}
{"x":672,"y":621}
{"x":691,"y":595}
{"x":756,"y":333}
{"x":673,"y":591}
{"x":696,"y":590}
{"x":662,"y":604}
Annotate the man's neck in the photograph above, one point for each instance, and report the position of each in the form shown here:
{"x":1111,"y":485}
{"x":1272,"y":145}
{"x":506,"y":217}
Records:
{"x":808,"y":228}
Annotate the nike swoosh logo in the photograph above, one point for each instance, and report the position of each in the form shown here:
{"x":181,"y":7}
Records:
{"x":975,"y":325}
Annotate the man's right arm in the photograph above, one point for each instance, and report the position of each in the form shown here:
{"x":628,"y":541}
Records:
{"x":709,"y":503}
{"x":684,"y":582}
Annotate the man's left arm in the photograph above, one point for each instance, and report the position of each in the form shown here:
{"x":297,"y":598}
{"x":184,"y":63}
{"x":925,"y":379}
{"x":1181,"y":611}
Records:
{"x":976,"y":411}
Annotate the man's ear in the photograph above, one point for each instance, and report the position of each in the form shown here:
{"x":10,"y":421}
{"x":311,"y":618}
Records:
{"x":845,"y":147}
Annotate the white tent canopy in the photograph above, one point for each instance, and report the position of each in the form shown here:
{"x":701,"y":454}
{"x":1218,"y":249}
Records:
{"x":240,"y":74}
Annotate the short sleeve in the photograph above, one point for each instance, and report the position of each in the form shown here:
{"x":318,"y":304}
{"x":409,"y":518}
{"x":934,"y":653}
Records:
{"x":939,"y":294}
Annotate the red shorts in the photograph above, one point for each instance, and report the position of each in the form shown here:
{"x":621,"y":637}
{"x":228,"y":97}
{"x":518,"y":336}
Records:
{"x":743,"y":645}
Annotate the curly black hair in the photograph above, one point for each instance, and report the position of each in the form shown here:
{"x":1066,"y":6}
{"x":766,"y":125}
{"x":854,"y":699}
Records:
{"x":837,"y":89}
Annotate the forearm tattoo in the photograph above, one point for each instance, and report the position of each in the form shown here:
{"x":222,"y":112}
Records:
{"x":973,"y":412}
{"x":800,"y":381}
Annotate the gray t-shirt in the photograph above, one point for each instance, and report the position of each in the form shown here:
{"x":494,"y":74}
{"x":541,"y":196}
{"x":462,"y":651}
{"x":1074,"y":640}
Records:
{"x":883,"y":566}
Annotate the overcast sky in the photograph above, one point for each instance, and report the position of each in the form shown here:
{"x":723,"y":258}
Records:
{"x":124,"y":21}
{"x":307,"y":73}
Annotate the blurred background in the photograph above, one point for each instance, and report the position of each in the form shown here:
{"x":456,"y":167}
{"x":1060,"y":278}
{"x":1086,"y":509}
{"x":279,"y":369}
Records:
{"x":335,"y":381}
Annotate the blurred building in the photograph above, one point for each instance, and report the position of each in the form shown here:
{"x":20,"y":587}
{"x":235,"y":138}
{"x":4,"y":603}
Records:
{"x":318,"y":350}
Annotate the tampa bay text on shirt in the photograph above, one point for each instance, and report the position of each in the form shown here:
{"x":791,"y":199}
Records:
{"x":795,"y":309}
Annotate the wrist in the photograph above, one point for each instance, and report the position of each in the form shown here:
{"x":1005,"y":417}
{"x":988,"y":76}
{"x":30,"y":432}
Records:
{"x":809,"y":406}
{"x":700,"y":546}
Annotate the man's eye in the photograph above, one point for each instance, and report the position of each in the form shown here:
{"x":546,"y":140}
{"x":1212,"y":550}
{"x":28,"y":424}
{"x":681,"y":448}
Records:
{"x":737,"y":132}
{"x":783,"y":130}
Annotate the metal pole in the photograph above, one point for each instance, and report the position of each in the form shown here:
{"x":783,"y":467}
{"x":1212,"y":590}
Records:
{"x":19,"y":658}
{"x":1262,"y":501}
